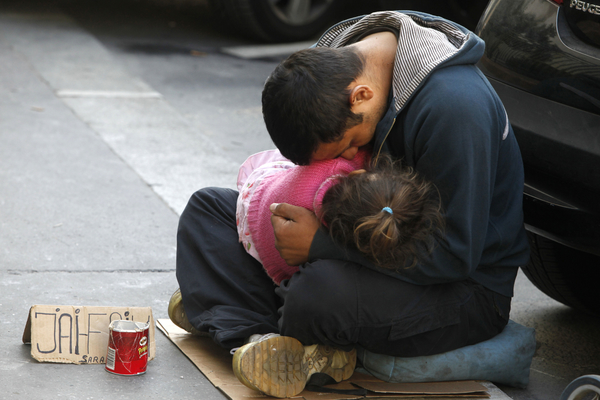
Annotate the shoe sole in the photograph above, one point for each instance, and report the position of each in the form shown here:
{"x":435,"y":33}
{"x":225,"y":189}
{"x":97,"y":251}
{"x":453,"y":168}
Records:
{"x":176,"y":312}
{"x":178,"y":317}
{"x":281,"y":366}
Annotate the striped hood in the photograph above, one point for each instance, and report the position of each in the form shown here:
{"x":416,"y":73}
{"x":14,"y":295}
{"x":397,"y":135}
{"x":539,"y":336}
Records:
{"x":425,"y":42}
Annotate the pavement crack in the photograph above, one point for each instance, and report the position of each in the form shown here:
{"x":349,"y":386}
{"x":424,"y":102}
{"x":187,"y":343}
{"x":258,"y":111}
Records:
{"x":97,"y":271}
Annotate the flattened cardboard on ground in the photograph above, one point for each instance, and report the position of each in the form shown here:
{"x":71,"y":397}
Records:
{"x":215,"y":363}
{"x":78,"y":334}
{"x":379,"y":389}
{"x":430,"y":390}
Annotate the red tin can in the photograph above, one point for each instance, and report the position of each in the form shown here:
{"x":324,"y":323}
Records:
{"x":128,"y":343}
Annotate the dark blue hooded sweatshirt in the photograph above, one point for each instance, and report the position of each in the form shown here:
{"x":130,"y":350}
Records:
{"x":446,"y":121}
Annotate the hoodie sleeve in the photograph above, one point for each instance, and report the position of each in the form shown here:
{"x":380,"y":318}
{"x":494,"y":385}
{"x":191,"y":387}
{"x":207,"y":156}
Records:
{"x":452,"y":134}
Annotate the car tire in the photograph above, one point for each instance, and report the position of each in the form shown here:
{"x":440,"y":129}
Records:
{"x":565,"y":274}
{"x":269,"y":20}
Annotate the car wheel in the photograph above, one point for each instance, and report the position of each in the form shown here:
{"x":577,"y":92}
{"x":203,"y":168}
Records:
{"x":565,"y":274}
{"x":584,"y":387}
{"x":276,"y":20}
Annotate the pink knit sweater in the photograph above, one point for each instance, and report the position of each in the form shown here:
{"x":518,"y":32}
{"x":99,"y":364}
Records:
{"x":302,"y":186}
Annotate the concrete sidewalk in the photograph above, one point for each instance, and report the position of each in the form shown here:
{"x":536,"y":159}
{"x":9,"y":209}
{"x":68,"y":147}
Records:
{"x":94,"y":169}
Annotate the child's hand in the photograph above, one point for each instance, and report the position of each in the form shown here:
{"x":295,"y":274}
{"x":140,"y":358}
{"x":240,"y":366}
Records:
{"x":294,"y":229}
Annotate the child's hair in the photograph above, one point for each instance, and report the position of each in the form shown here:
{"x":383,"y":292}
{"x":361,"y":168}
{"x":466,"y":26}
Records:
{"x":356,"y":212}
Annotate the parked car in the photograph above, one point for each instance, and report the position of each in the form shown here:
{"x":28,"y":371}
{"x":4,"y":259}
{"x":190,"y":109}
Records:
{"x":543,"y":59}
{"x":295,"y":20}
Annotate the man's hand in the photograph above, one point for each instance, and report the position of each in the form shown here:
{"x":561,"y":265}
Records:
{"x":294,"y":229}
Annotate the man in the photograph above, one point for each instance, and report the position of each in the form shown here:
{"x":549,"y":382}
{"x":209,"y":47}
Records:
{"x":404,"y":84}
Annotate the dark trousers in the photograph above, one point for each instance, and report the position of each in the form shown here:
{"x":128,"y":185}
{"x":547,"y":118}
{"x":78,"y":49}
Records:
{"x":227,"y":293}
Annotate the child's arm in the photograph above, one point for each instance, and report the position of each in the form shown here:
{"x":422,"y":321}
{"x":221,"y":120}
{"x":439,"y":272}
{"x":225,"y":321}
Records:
{"x":255,"y":161}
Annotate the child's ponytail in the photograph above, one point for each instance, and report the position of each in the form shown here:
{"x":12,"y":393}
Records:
{"x":390,"y":214}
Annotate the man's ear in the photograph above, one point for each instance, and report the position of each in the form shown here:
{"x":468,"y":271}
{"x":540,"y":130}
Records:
{"x":359,"y":94}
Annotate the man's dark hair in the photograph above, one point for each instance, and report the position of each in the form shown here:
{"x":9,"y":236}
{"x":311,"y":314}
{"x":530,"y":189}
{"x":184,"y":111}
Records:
{"x":306,"y":100}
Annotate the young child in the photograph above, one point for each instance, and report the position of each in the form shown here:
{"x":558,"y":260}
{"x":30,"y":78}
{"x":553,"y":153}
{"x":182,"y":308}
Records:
{"x":388,"y":213}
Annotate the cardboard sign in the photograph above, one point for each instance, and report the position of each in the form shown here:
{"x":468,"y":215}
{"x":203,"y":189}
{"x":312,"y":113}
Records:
{"x":78,"y":334}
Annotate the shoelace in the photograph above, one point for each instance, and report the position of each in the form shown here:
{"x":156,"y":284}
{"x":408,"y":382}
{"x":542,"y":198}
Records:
{"x":256,"y":338}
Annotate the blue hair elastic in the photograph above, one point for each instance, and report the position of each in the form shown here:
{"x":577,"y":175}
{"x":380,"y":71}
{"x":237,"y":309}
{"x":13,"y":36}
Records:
{"x":387,"y":209}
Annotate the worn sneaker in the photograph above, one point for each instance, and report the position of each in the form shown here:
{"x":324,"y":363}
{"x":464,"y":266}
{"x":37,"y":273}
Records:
{"x":280,"y":366}
{"x":178,"y":317}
